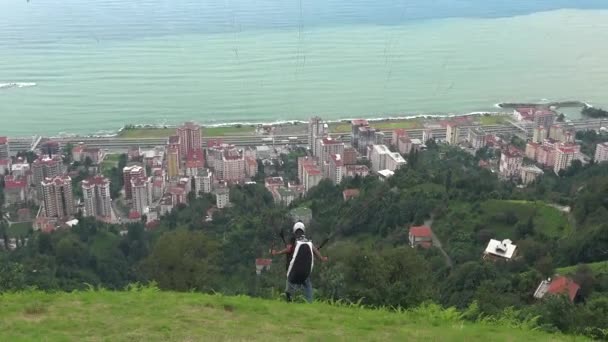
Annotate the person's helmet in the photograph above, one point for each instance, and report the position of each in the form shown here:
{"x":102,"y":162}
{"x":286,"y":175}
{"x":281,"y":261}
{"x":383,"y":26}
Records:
{"x":299,"y":225}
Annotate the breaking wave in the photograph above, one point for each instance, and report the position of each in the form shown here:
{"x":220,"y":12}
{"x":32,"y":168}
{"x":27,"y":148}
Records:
{"x":17,"y":85}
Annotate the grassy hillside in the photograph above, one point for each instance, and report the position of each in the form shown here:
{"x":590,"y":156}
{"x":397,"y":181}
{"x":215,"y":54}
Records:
{"x":600,"y":267}
{"x":150,"y":315}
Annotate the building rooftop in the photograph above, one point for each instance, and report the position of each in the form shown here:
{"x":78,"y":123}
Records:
{"x":96,"y":180}
{"x":337,"y":159}
{"x":274,"y":181}
{"x":5,"y":162}
{"x":330,"y":141}
{"x":189,"y":125}
{"x":421,"y":231}
{"x":563,"y":284}
{"x":174,"y":139}
{"x":3,"y":140}
{"x":138,"y":181}
{"x":359,"y":122}
{"x":532,"y":168}
{"x":504,"y":248}
{"x":386,"y":173}
{"x":350,"y":193}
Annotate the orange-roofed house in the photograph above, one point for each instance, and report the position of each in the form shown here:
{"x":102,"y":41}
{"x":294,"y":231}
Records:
{"x":350,"y":193}
{"x":421,"y":236}
{"x":558,"y":286}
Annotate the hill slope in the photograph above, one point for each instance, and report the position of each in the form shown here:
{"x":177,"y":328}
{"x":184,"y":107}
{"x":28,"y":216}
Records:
{"x":149,"y":315}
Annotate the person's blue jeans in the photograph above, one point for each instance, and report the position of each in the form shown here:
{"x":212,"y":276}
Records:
{"x":291,"y":288}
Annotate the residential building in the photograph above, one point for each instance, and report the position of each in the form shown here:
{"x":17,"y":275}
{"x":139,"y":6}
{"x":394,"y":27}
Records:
{"x":558,"y":286}
{"x":545,"y":156}
{"x":57,"y":197}
{"x":404,"y":145}
{"x":178,"y":195}
{"x":540,"y":134}
{"x":21,"y":169}
{"x":398,"y":133}
{"x":379,"y":138}
{"x":356,"y":171}
{"x":96,"y":197}
{"x":131,"y":172}
{"x":315,"y":130}
{"x":43,"y":168}
{"x":477,"y":137}
{"x":366,"y":137}
{"x":50,"y":148}
{"x":189,"y":138}
{"x":302,"y":163}
{"x":203,"y":182}
{"x":427,"y":134}
{"x":173,"y":162}
{"x":500,"y":250}
{"x":383,"y":175}
{"x":383,"y":159}
{"x":232,"y":166}
{"x":452,"y":133}
{"x":251,"y":167}
{"x":349,"y":156}
{"x":222,"y":197}
{"x":141,"y":192}
{"x":510,"y":164}
{"x":336,"y":168}
{"x":81,"y":152}
{"x":601,"y":152}
{"x":5,"y":150}
{"x":14,"y":190}
{"x":421,"y":236}
{"x":284,"y":196}
{"x":354,"y":136}
{"x":265,"y":152}
{"x":556,"y":132}
{"x":327,"y":147}
{"x":272,"y":183}
{"x":153,"y":157}
{"x":531,"y":148}
{"x":158,"y":189}
{"x":530,"y":173}
{"x":195,"y":160}
{"x":5,"y":166}
{"x":311,"y":176}
{"x":173,"y":142}
{"x":563,"y":158}
{"x":544,"y":117}
{"x":349,"y":194}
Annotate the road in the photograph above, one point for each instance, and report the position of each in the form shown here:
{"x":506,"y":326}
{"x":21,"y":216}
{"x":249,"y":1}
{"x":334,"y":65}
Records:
{"x":437,"y":243}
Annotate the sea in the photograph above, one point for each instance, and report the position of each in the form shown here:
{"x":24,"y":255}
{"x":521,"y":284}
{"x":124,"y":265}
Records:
{"x":90,"y":67}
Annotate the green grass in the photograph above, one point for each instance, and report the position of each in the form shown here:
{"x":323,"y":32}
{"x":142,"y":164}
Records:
{"x":19,"y":229}
{"x":136,"y":133}
{"x":598,"y":268}
{"x":110,"y":161}
{"x":414,"y":123}
{"x":547,"y":220}
{"x":486,"y":120}
{"x":149,"y":315}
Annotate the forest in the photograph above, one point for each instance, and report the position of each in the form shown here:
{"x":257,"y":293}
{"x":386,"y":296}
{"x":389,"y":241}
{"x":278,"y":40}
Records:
{"x":370,"y":260}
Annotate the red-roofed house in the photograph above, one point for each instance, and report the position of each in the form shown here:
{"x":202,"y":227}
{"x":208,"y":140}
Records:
{"x":134,"y":215}
{"x":510,"y":163}
{"x":557,"y":286}
{"x":350,"y":193}
{"x":272,"y":183}
{"x":421,"y":236}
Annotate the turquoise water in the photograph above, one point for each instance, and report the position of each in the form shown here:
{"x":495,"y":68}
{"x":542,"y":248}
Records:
{"x":123,"y":63}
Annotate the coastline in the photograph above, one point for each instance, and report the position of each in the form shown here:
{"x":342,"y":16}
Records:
{"x":252,"y":125}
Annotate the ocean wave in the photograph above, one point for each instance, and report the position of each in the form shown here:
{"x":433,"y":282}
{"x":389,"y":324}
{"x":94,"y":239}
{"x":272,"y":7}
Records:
{"x":17,"y":85}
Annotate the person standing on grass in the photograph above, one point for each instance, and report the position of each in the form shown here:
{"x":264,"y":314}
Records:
{"x":300,"y":261}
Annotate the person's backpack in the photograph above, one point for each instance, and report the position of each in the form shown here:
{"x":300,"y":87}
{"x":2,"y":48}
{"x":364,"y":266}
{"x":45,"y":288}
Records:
{"x":301,"y":263}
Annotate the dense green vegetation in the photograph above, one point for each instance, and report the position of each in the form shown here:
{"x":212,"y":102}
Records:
{"x":370,"y":260}
{"x":593,"y":112}
{"x":149,"y":315}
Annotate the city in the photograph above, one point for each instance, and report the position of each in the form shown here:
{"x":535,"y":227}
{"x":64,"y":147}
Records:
{"x":41,"y":190}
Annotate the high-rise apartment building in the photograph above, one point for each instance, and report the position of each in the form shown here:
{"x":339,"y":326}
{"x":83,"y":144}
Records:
{"x":189,"y":138}
{"x":57,"y":197}
{"x":96,"y":197}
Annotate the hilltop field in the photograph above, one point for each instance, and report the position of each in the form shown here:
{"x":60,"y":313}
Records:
{"x":150,"y":315}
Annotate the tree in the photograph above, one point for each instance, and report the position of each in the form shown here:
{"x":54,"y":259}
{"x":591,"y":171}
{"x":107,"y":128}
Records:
{"x":183,"y":261}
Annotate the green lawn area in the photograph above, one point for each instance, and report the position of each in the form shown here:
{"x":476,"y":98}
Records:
{"x":110,"y":161}
{"x":491,"y":215}
{"x":486,"y":120}
{"x":547,"y":219}
{"x":136,"y":133}
{"x":600,"y":267}
{"x":19,"y":229}
{"x":150,"y":315}
{"x":414,"y":123}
